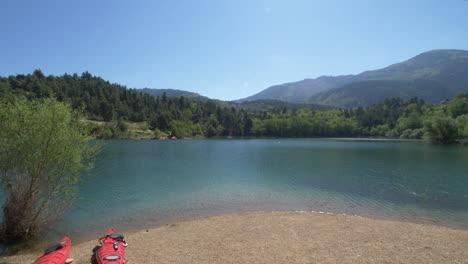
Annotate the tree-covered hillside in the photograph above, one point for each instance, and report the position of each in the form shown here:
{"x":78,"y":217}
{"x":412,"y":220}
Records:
{"x":185,"y":117}
{"x":367,"y":93}
{"x":395,"y":118}
{"x":105,"y":101}
{"x":172,"y":93}
{"x":270,"y":105}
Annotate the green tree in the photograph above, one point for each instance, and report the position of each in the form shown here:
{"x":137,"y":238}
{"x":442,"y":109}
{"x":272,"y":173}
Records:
{"x":407,"y":133}
{"x":412,"y":121}
{"x":44,"y":147}
{"x":121,"y":127}
{"x":157,"y":133}
{"x":459,"y":106}
{"x":163,"y":120}
{"x":442,"y":130}
{"x":463,"y":125}
{"x":181,"y":129}
{"x":417,"y":134}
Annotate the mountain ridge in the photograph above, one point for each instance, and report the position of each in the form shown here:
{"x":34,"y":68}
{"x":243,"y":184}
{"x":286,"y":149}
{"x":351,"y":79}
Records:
{"x":444,"y":69}
{"x":170,"y":92}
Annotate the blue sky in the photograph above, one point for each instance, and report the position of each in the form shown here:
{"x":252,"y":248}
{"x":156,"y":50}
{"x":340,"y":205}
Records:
{"x":226,"y":49}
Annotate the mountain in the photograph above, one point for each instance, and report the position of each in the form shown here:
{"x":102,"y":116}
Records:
{"x":171,"y":93}
{"x":432,"y":76}
{"x":256,"y":105}
{"x":366,"y":93}
{"x":299,"y":92}
{"x":270,"y":105}
{"x":438,"y":64}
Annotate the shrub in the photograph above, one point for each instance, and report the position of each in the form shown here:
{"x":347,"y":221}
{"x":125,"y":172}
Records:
{"x":392,"y":133}
{"x":44,"y":147}
{"x":441,"y":130}
{"x":406,"y":134}
{"x":143,"y":127}
{"x":417,"y":134}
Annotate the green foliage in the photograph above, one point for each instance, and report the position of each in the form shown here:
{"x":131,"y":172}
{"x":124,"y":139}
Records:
{"x":258,"y":127}
{"x":115,"y":130}
{"x":186,"y":117}
{"x":392,"y":133}
{"x":102,"y":100}
{"x":417,"y":134}
{"x":379,"y":130}
{"x":121,"y":127}
{"x":143,"y":127}
{"x":44,"y":147}
{"x":107,"y":133}
{"x":369,"y":92}
{"x":305,"y":123}
{"x":413,"y":133}
{"x":271,"y":105}
{"x":462,"y":122}
{"x":407,"y":133}
{"x":183,"y":129}
{"x":459,"y":106}
{"x":442,"y":130}
{"x":157,"y":134}
{"x":413,"y":121}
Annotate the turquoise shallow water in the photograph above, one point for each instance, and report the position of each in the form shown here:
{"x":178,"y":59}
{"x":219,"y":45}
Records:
{"x":137,"y":184}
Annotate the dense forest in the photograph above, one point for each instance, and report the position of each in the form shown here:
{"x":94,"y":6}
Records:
{"x":185,"y":117}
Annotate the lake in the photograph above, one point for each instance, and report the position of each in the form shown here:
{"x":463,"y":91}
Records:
{"x":138,"y":184}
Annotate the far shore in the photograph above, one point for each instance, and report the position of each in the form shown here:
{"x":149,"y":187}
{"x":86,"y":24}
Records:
{"x":418,"y":141}
{"x":140,"y":131}
{"x":285,"y":237}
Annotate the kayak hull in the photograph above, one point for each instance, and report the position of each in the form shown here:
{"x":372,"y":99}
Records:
{"x":111,"y":249}
{"x":56,"y":254}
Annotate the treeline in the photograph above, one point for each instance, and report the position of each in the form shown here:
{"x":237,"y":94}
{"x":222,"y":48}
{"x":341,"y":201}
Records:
{"x":394,"y":118}
{"x":184,"y":117}
{"x":104,"y":101}
{"x":101,"y":99}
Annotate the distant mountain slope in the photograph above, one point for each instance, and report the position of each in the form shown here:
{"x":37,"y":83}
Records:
{"x":299,"y":92}
{"x":428,"y":65}
{"x":433,"y":76}
{"x":365,"y":93}
{"x":269,"y":105}
{"x":170,"y":93}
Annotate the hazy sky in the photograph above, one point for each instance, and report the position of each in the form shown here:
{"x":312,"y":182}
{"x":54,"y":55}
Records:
{"x":222,"y":49}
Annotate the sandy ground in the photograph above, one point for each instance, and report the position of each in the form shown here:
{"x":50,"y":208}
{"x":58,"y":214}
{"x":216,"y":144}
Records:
{"x":286,"y":237}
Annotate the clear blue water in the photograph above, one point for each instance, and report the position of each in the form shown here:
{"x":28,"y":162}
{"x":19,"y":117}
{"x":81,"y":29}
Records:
{"x":138,"y":184}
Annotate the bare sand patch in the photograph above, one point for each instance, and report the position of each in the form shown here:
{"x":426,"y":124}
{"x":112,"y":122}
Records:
{"x":286,"y":237}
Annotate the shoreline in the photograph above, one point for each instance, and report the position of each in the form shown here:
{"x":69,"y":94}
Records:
{"x":463,"y":142}
{"x":284,"y":237}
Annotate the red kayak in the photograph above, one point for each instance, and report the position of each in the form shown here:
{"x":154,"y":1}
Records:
{"x":111,"y":249}
{"x":57,"y":254}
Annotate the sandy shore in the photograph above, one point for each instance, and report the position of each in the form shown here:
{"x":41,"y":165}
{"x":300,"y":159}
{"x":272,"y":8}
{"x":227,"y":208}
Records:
{"x":286,"y":237}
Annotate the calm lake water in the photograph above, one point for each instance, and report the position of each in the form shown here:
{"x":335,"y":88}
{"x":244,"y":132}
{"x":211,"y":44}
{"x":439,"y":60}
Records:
{"x":137,"y":184}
